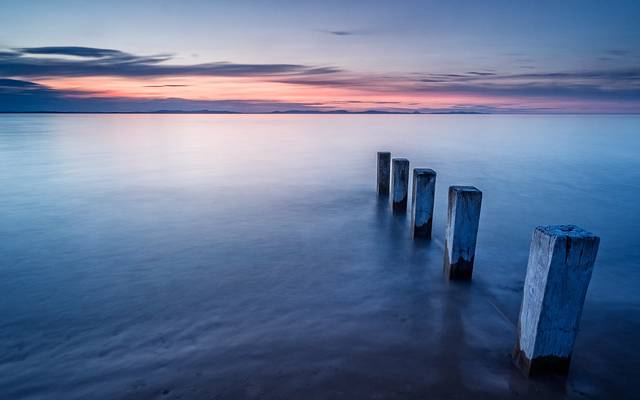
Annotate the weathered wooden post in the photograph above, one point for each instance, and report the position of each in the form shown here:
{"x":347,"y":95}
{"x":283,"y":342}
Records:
{"x":561,"y":260}
{"x":400,"y":183}
{"x":384,"y":172}
{"x":463,"y":217}
{"x":422,"y":198}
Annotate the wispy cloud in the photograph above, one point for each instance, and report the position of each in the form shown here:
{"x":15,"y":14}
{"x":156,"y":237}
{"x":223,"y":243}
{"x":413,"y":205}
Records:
{"x":614,"y":86}
{"x":73,"y":51}
{"x":609,"y":75}
{"x":618,"y":52}
{"x":13,"y":84}
{"x":343,"y":32}
{"x":19,"y":96}
{"x":607,"y":82}
{"x":107,"y":62}
{"x":57,"y":76}
{"x":160,"y":86}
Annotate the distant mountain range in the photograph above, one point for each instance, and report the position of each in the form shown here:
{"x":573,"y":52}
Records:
{"x":237,"y":112}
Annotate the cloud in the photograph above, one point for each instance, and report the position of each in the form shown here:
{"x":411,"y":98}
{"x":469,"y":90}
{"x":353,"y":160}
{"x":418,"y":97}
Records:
{"x":538,"y":90}
{"x":481,"y":73}
{"x":618,"y":75}
{"x":20,"y":95}
{"x":337,"y":82}
{"x":22,"y":68}
{"x":629,"y":75}
{"x":342,"y":32}
{"x":618,"y":52}
{"x":24,"y":96}
{"x":367,"y":102}
{"x":72,"y":51}
{"x":587,"y":85}
{"x":8,"y":84}
{"x":108,"y":62}
{"x":611,"y":78}
{"x":159,"y":86}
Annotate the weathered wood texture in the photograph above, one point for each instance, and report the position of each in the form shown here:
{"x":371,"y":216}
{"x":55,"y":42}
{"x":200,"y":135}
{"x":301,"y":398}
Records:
{"x":561,"y":260}
{"x":384,"y":172}
{"x":400,"y":183}
{"x":463,"y":217}
{"x":422,"y":200}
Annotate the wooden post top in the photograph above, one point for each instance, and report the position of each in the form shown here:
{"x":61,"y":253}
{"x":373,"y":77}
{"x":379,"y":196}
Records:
{"x":423,"y":171}
{"x":464,"y":189}
{"x":570,"y":231}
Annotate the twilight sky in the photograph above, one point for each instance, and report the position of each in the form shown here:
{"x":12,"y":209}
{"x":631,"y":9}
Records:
{"x":261,"y":56}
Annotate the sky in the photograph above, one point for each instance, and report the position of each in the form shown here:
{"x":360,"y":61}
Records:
{"x":263,"y":56}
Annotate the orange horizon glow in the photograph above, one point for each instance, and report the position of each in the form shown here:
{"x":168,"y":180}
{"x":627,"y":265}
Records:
{"x":261,"y":89}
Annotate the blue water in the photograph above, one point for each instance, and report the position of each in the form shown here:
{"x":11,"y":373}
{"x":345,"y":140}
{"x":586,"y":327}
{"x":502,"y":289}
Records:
{"x":202,"y":256}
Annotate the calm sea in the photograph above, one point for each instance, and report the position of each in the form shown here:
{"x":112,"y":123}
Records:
{"x":195,"y":256}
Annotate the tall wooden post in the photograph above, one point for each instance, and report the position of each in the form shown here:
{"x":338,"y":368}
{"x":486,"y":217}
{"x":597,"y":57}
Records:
{"x":463,"y":218}
{"x":400,"y":184}
{"x":384,"y":172}
{"x":422,"y":199}
{"x":561,"y":260}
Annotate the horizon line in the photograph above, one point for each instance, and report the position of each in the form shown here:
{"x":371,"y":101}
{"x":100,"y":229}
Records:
{"x":336,"y":112}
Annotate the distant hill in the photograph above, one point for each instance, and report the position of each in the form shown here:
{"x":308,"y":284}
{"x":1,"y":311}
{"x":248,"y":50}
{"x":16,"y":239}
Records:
{"x":237,"y":112}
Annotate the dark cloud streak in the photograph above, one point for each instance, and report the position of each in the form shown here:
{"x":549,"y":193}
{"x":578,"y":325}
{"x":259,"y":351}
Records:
{"x":117,"y":63}
{"x":343,"y":32}
{"x":608,"y":85}
{"x":613,"y":75}
{"x":72,"y":51}
{"x":159,"y":86}
{"x":618,"y":52}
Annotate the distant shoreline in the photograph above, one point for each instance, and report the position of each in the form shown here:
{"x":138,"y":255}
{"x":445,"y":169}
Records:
{"x":301,"y":112}
{"x":336,"y":112}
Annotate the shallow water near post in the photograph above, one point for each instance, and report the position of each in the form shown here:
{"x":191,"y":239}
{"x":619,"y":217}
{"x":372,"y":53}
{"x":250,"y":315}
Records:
{"x":204,"y":256}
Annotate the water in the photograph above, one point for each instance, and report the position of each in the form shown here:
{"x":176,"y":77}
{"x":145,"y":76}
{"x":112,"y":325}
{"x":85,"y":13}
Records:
{"x":201,"y":256}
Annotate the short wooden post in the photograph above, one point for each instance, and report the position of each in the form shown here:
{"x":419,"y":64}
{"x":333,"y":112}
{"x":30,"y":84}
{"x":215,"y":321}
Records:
{"x":561,"y":260}
{"x":384,"y":172}
{"x":422,"y":198}
{"x":463,"y":218}
{"x":400,"y":183}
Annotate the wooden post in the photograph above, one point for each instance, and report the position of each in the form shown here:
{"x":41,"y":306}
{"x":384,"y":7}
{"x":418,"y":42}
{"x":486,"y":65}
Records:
{"x":462,"y":230}
{"x":561,"y":260}
{"x":422,"y":198}
{"x":384,"y":172}
{"x":400,"y":183}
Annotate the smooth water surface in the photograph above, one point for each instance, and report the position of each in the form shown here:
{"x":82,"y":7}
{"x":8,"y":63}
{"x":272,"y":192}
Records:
{"x":203,"y":256}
